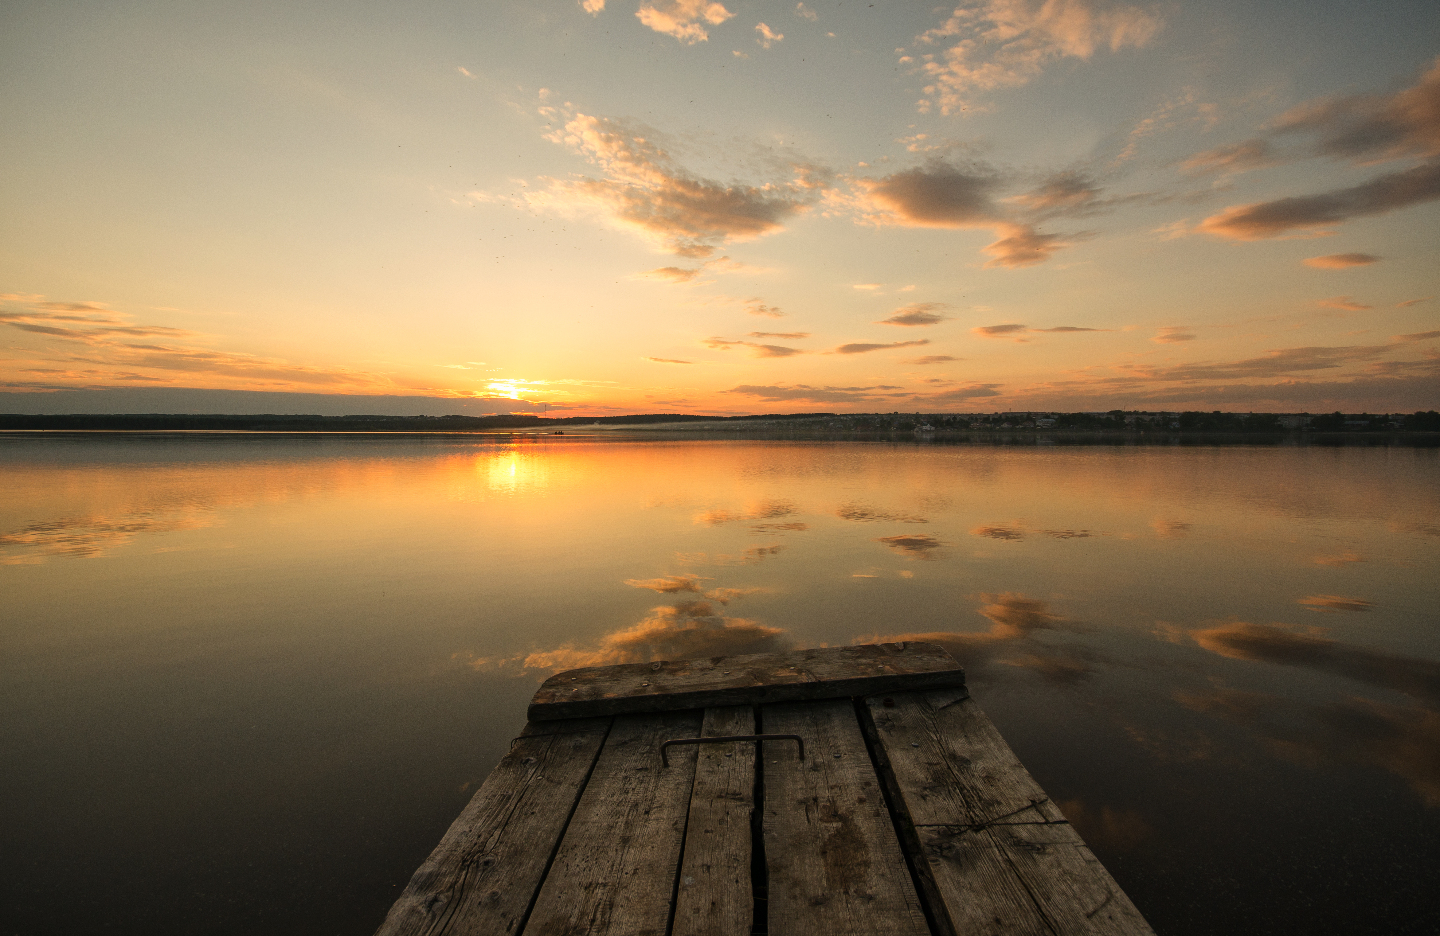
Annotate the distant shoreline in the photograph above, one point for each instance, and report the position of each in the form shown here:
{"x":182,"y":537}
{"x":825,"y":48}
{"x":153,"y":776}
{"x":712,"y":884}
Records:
{"x":943,"y":429}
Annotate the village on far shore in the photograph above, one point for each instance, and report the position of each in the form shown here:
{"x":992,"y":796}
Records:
{"x":1112,"y":422}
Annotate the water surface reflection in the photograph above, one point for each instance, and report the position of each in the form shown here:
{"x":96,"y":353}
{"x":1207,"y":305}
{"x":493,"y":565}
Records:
{"x":254,"y":678}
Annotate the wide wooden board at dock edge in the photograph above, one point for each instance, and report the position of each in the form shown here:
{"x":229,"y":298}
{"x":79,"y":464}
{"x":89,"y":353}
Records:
{"x":614,"y":872}
{"x":820,"y":673}
{"x":835,"y":866}
{"x":995,"y":855}
{"x":484,"y":873}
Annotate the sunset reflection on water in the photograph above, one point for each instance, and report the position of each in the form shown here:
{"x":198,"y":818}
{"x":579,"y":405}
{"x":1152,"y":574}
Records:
{"x":1199,"y":652}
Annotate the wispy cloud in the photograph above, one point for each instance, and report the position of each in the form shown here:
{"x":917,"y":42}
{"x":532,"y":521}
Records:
{"x":1341,"y":261}
{"x":1232,"y":159}
{"x":1006,"y":43}
{"x":785,"y":336}
{"x":861,"y":347}
{"x":807,"y":393}
{"x":913,"y":545}
{"x":1309,"y":213}
{"x":916,"y":314}
{"x":684,"y":19}
{"x":685,"y":630}
{"x":1013,"y":330}
{"x":663,"y":360}
{"x":932,"y":359}
{"x":645,"y":190}
{"x":1346,"y":303}
{"x":756,"y":349}
{"x":1334,"y":603}
{"x":1016,"y":625}
{"x":1173,"y":334}
{"x":1373,"y":127}
{"x":757,"y":307}
{"x":767,"y":36}
{"x":804,"y":12}
{"x":941,"y":195}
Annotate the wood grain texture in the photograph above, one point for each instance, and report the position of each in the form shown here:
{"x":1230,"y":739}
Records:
{"x":823,"y":673}
{"x":1027,"y":878}
{"x":995,"y":854}
{"x":615,"y":869}
{"x":835,"y":866}
{"x":714,"y":897}
{"x":482,"y":876}
{"x":954,"y":767}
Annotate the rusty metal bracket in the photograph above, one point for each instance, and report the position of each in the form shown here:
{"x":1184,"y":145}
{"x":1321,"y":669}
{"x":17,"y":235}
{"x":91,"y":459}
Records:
{"x":665,"y":760}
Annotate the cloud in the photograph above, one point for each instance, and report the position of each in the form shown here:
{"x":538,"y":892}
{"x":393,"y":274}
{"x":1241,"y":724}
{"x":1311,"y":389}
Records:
{"x":797,"y":392}
{"x":804,"y":12}
{"x":1373,"y":127}
{"x":674,"y":274}
{"x":787,"y":336}
{"x":912,"y":545}
{"x":756,"y":349}
{"x":756,"y":307}
{"x":1172,"y":334}
{"x":1272,"y":644}
{"x":869,"y":287}
{"x":866,"y":347}
{"x":1022,"y":246}
{"x":668,"y":584}
{"x":682,"y":18}
{"x":999,"y":331}
{"x":666,"y":360}
{"x":1016,"y":623}
{"x":1343,"y":302}
{"x":940,"y":195}
{"x":1341,"y":261}
{"x":91,"y":536}
{"x":932,"y":359}
{"x":1006,"y":43}
{"x":860,"y":513}
{"x":96,"y":335}
{"x":1410,"y":302}
{"x":1068,"y":192}
{"x":972,"y":391}
{"x":1232,"y":159}
{"x":917,"y":313}
{"x":1334,"y":603}
{"x":1011,"y":330}
{"x":1418,"y":336}
{"x":768,"y":36}
{"x":593,"y":7}
{"x":643,"y":189}
{"x":765,"y":510}
{"x":1000,"y":532}
{"x":1382,"y":194}
{"x":685,"y":631}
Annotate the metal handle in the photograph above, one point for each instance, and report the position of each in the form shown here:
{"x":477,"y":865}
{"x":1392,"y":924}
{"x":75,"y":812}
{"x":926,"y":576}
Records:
{"x":664,"y":759}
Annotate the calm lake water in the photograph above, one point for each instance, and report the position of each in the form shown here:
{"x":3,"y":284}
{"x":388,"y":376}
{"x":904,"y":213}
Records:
{"x":246,"y":682}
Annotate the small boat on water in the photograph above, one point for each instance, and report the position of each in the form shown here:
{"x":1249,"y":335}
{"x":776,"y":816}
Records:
{"x":836,"y":791}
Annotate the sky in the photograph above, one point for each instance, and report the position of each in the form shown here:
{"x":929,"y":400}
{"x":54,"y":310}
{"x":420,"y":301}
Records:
{"x":616,"y":206}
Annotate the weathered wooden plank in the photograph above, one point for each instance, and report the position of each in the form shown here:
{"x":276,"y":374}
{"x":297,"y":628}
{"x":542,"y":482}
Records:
{"x":835,"y":866}
{"x":822,"y":673}
{"x":1036,"y":879}
{"x":714,"y":897}
{"x":953,"y":765}
{"x":615,"y":869}
{"x":485,"y":872}
{"x":995,"y":854}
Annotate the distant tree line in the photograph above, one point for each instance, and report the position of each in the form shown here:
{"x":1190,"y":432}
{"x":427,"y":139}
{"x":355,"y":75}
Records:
{"x":1114,"y":421}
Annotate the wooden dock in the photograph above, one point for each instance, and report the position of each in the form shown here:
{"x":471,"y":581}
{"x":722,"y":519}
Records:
{"x":907,"y":814}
